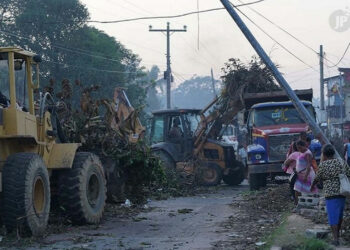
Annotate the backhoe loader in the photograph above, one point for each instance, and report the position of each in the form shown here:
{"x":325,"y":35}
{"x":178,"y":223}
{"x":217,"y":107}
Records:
{"x":187,"y":140}
{"x":34,"y":160}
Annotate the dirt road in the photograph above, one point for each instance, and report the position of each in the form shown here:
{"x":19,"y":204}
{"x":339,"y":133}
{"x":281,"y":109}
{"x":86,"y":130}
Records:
{"x":176,"y":223}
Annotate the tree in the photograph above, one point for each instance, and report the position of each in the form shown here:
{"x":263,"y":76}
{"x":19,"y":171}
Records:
{"x":153,"y":102}
{"x":196,"y":92}
{"x":255,"y":75}
{"x":58,"y":31}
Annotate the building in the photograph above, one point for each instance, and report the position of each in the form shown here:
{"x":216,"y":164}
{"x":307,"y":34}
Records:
{"x":338,"y":105}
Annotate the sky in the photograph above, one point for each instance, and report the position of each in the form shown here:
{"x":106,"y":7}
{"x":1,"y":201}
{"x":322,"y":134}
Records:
{"x":220,"y":39}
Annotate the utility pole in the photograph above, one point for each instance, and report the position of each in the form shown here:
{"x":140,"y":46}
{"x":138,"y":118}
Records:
{"x":278,"y":76}
{"x":167,"y":73}
{"x":213,"y":82}
{"x":321,"y":79}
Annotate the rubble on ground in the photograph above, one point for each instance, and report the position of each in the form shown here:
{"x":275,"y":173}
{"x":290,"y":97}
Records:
{"x":259,"y":214}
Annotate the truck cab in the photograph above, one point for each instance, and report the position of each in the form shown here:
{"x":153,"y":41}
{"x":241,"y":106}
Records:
{"x":272,"y":127}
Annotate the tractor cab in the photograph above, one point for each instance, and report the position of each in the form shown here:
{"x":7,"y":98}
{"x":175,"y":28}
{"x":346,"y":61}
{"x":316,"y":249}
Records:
{"x":173,"y":130}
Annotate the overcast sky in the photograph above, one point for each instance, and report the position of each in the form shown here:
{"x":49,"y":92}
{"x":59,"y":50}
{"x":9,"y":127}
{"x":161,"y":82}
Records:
{"x":220,"y":39}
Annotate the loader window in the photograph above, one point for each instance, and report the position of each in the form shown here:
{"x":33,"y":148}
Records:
{"x":21,"y":85}
{"x":4,"y":83}
{"x":157,"y":133}
{"x":192,"y":120}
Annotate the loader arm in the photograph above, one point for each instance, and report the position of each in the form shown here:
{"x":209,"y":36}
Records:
{"x":222,"y":113}
{"x":126,"y":117}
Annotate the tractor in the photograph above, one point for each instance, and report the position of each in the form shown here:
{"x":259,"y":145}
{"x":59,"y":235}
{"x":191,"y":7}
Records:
{"x":35,"y":161}
{"x":183,"y":140}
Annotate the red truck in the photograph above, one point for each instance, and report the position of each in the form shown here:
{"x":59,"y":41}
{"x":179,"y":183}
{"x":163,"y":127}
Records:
{"x":273,"y":123}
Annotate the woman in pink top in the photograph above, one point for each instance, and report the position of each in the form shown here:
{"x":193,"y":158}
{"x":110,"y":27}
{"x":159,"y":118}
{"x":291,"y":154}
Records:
{"x":305,"y":171}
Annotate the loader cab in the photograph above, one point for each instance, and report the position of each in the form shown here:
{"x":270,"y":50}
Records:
{"x":173,"y":130}
{"x":17,"y":68}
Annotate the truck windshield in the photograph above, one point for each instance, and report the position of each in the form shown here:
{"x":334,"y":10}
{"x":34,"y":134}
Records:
{"x":277,"y":115}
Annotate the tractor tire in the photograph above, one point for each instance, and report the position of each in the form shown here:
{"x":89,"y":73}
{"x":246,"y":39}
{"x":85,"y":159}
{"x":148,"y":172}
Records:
{"x":82,"y":190}
{"x":209,"y":174}
{"x":168,"y":165}
{"x":26,"y":194}
{"x":167,"y":161}
{"x":254,"y":182}
{"x":234,"y":178}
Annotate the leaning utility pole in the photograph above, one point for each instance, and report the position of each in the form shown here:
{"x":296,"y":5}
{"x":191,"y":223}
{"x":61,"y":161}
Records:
{"x":167,"y":74}
{"x":213,"y":82}
{"x":321,"y":79}
{"x":278,"y":76}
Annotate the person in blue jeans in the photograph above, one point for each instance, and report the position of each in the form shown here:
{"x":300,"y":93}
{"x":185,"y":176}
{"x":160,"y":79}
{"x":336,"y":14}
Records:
{"x":328,"y":173}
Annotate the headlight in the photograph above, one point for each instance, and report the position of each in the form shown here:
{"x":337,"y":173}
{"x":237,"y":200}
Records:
{"x":258,"y":156}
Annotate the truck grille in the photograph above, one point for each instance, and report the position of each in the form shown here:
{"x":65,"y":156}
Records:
{"x":279,"y":145}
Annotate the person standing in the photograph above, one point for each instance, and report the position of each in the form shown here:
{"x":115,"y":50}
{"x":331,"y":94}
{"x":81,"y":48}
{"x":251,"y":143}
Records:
{"x":347,"y":151}
{"x":304,"y":170}
{"x":292,"y":147}
{"x":328,"y":173}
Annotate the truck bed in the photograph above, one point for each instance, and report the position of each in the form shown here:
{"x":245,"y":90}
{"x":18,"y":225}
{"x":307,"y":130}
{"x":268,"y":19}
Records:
{"x":275,"y":96}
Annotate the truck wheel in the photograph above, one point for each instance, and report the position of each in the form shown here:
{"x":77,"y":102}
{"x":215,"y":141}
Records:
{"x":82,"y":189}
{"x":235,"y":177}
{"x":209,"y":175}
{"x":254,"y":182}
{"x":262,"y":180}
{"x":26,"y":194}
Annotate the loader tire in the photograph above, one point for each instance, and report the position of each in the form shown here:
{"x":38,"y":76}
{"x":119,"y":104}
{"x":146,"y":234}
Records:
{"x":26,"y":194}
{"x":209,"y":174}
{"x":82,"y":190}
{"x":234,"y":178}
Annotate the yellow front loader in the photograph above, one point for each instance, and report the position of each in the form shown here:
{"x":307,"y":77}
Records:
{"x":35,"y":163}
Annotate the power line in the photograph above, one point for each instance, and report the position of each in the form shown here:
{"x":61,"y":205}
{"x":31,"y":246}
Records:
{"x":341,"y":59}
{"x":73,"y":66}
{"x":284,"y":30}
{"x":286,"y":49}
{"x":148,"y":18}
{"x":74,"y":50}
{"x":93,"y":69}
{"x":297,"y":71}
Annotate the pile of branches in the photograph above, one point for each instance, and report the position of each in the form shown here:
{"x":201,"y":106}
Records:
{"x":240,"y":78}
{"x":91,"y":124}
